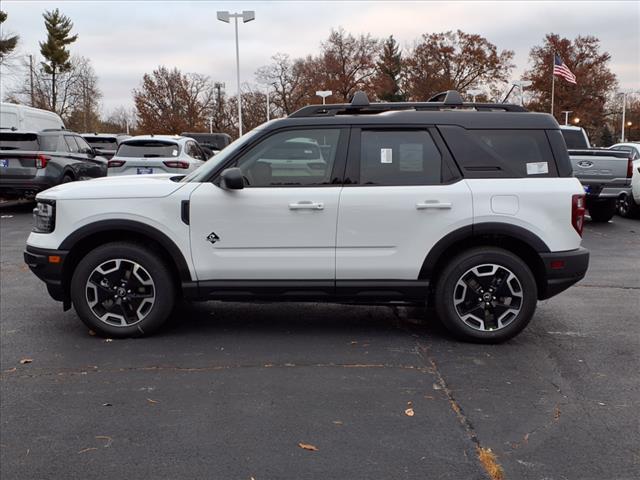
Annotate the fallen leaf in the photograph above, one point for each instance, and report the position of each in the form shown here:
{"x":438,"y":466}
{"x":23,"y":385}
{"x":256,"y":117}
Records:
{"x":409,"y":404}
{"x":409,"y":412}
{"x":26,"y":360}
{"x":11,"y":370}
{"x":437,"y":387}
{"x":107,"y":405}
{"x":152,"y":401}
{"x":87,"y":449}
{"x":337,"y":422}
{"x":108,"y":340}
{"x":306,"y":446}
{"x":92,"y":333}
{"x":105,"y":437}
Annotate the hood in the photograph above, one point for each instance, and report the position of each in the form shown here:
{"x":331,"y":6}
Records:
{"x":123,"y":186}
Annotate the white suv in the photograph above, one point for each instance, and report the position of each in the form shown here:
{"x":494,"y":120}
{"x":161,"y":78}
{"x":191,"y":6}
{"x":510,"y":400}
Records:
{"x":149,"y":154}
{"x":471,"y":208}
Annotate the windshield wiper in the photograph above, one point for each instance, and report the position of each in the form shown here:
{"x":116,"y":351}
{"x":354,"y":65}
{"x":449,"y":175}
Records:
{"x":151,"y":155}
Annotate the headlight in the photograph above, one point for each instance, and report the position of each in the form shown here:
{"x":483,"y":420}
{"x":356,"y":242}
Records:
{"x":44,"y":216}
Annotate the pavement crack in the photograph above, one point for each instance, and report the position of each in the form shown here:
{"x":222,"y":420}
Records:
{"x":486,"y":457}
{"x":209,"y":368}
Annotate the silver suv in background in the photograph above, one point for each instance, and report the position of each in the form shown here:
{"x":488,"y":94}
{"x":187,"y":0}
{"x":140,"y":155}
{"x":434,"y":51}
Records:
{"x":149,"y":154}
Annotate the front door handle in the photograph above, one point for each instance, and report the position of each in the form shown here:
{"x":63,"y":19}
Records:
{"x":434,"y":204}
{"x":306,"y":205}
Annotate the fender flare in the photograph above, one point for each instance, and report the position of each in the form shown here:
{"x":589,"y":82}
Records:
{"x":470,"y":232}
{"x":133,"y":226}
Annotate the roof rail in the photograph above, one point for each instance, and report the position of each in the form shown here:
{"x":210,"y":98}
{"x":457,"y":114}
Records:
{"x":449,"y":100}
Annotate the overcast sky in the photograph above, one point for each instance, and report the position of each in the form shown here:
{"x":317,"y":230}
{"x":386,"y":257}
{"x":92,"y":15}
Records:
{"x":126,"y":39}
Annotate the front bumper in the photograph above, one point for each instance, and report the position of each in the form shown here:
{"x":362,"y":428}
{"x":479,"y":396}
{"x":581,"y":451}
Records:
{"x":48,"y":266}
{"x":562,"y":270}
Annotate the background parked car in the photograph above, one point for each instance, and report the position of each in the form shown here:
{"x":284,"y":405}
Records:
{"x":213,"y":141}
{"x":147,"y":154}
{"x":34,"y":161}
{"x":629,"y":203}
{"x":21,"y":117}
{"x":105,"y":144}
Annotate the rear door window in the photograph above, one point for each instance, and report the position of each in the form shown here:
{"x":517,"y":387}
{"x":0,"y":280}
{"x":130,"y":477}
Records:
{"x":71,"y":143}
{"x":19,"y":141}
{"x":49,"y":143}
{"x":148,"y":149}
{"x":399,"y":157}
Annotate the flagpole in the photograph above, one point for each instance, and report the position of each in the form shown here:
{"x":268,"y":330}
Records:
{"x":553,"y":79}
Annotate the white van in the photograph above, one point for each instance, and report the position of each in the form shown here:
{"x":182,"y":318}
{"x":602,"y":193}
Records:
{"x":22,"y":117}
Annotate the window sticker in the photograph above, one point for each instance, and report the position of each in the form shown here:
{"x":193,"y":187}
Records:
{"x":386,"y":155}
{"x":537,"y":168}
{"x":411,"y":156}
{"x":174,"y":153}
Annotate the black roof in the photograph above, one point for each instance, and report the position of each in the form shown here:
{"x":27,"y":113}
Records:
{"x":446,"y":108}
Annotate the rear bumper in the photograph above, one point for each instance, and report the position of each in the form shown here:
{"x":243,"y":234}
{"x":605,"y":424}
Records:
{"x":47,"y":268}
{"x":562,"y":270}
{"x":20,"y":188}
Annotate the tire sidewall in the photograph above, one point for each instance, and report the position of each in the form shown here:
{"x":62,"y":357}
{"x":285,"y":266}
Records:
{"x":163,"y":285}
{"x":470,"y":259}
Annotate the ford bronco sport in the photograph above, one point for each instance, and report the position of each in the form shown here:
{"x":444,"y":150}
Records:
{"x":471,"y":208}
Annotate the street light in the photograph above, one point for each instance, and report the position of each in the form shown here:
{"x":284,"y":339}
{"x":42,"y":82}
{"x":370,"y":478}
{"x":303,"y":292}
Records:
{"x":246,"y":16}
{"x":576,"y":120}
{"x":324,"y":94}
{"x":566,"y":116}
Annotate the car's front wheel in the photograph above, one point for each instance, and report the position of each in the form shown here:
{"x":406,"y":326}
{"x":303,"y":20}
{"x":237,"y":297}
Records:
{"x":486,"y":295}
{"x":122,"y":289}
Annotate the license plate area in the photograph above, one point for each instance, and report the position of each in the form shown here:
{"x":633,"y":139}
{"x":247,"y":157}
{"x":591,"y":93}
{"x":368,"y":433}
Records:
{"x":4,"y":162}
{"x":587,"y":188}
{"x":144,"y":170}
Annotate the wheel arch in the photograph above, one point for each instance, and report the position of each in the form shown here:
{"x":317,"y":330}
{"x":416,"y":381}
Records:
{"x":517,"y":240}
{"x":99,"y":233}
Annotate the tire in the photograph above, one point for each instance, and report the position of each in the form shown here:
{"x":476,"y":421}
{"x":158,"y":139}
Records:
{"x":136,"y":311}
{"x":67,"y":178}
{"x":627,"y":207}
{"x":489,"y":271}
{"x":602,"y":212}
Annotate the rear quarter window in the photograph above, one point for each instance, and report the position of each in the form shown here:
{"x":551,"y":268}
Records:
{"x":498,"y":153}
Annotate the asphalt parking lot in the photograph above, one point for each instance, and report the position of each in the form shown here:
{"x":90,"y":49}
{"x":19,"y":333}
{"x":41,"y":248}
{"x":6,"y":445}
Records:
{"x":229,"y":391}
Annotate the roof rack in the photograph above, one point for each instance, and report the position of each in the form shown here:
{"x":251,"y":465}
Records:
{"x":449,"y":100}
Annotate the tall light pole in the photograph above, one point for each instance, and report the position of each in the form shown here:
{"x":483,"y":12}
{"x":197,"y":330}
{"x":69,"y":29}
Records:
{"x":624,"y":110}
{"x":246,"y":16}
{"x":566,"y":116}
{"x":324,"y":94}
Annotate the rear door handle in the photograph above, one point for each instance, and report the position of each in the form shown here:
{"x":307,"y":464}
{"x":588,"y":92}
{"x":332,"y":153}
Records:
{"x":306,"y":205}
{"x":433,"y":204}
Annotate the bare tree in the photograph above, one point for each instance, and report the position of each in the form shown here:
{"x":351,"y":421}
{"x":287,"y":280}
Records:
{"x":286,"y":79}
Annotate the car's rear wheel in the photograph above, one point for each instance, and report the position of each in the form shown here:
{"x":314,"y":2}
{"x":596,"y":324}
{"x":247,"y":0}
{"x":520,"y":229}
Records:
{"x":486,"y":295}
{"x":627,"y":207}
{"x":122,"y":290}
{"x":67,"y":178}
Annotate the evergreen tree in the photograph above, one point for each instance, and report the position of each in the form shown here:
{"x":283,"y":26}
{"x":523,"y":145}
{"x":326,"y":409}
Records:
{"x":7,"y":44}
{"x":53,"y":50}
{"x":606,"y":137}
{"x":389,"y":72}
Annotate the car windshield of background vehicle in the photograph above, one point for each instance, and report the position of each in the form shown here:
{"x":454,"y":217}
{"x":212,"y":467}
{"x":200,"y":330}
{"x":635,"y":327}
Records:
{"x":292,"y":158}
{"x":206,"y":169}
{"x":19,"y":141}
{"x":148,"y":149}
{"x":102,"y":142}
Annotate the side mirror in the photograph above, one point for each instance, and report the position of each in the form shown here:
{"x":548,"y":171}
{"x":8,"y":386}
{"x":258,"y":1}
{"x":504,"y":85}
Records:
{"x":232,"y":179}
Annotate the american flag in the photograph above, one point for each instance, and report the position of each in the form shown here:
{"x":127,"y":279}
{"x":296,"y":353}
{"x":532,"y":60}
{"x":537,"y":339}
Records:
{"x":560,"y":69}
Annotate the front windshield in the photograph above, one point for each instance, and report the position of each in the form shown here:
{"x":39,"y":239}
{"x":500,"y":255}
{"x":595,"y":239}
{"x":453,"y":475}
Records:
{"x":210,"y":165}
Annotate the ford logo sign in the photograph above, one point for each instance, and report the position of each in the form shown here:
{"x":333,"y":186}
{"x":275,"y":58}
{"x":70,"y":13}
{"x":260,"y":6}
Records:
{"x":585,"y":164}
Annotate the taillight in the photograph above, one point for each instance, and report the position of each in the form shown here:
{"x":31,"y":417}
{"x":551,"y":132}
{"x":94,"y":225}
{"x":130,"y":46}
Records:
{"x":176,"y":164}
{"x":41,"y":160}
{"x":577,"y":212}
{"x":115,"y":163}
{"x":630,"y":168}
